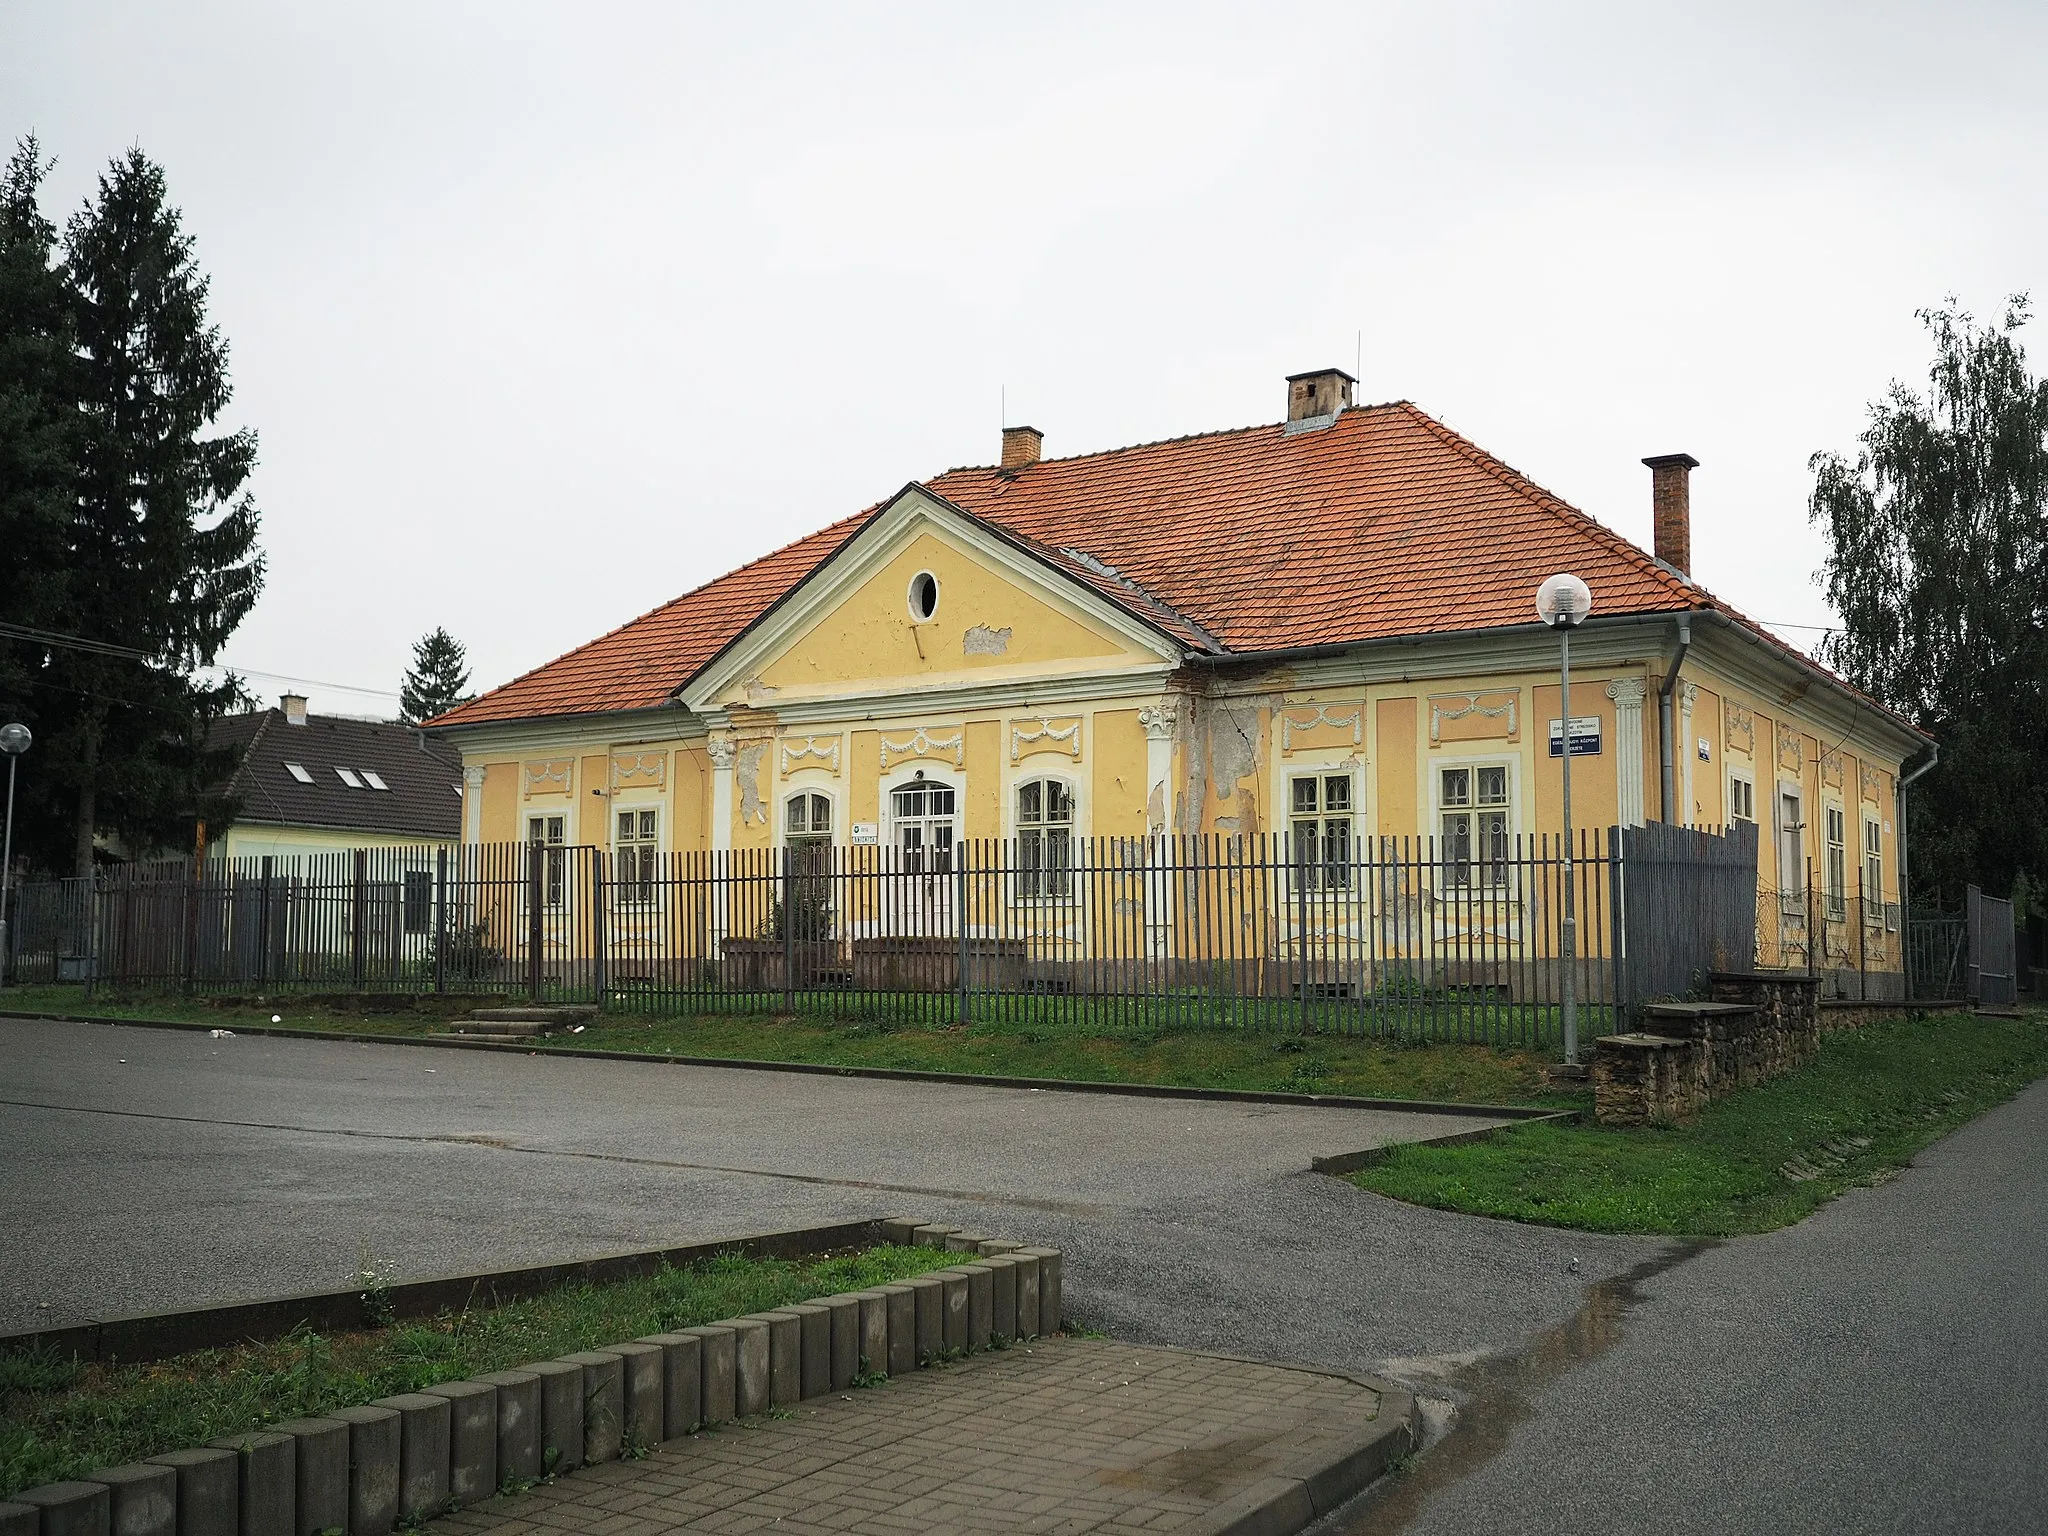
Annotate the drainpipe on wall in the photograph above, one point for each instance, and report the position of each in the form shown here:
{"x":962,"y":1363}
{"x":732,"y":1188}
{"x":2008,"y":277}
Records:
{"x":1666,"y":760}
{"x":1905,"y":904}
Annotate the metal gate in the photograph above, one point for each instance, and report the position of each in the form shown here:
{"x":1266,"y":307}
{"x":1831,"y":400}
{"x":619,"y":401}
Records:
{"x":1993,"y":974}
{"x":1686,"y":906}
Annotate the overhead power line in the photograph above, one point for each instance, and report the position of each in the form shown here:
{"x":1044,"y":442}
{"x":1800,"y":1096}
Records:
{"x":73,"y":642}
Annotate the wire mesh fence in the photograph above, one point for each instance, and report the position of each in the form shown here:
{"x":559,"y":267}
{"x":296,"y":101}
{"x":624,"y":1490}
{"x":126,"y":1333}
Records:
{"x":1407,"y":938}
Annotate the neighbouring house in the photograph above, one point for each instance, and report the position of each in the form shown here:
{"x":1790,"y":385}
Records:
{"x":1321,"y":628}
{"x":317,"y":784}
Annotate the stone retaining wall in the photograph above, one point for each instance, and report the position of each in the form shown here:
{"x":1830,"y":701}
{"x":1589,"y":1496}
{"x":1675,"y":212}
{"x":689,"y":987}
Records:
{"x":1755,"y":1026}
{"x":366,"y":1469}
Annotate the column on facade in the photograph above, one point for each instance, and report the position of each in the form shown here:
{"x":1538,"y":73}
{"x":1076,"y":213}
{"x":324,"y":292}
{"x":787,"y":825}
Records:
{"x":1628,"y":694}
{"x":1158,"y":721}
{"x":473,"y":804}
{"x":1688,"y":695}
{"x":722,"y":750}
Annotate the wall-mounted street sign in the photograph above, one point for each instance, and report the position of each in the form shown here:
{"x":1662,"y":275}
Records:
{"x":864,"y":832}
{"x":1585,"y":736}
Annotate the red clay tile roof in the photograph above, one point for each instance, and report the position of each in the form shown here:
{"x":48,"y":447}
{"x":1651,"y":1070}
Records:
{"x":1384,"y":523}
{"x":642,"y":662}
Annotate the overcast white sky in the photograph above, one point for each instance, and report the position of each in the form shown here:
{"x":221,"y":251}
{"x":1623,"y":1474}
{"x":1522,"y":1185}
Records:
{"x":548,"y":314}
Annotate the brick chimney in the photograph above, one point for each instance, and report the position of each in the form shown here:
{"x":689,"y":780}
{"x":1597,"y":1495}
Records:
{"x":1671,"y":508}
{"x":1322,"y":393}
{"x":1020,"y":448}
{"x":294,"y":707}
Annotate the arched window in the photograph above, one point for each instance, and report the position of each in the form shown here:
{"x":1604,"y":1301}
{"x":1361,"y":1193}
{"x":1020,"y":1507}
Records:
{"x":807,"y":890}
{"x":1045,"y":838}
{"x":807,"y":820}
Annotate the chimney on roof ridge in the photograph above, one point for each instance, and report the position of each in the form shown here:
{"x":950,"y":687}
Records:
{"x":294,"y":707}
{"x":1311,"y":396}
{"x":1020,"y":448}
{"x":1671,"y":508}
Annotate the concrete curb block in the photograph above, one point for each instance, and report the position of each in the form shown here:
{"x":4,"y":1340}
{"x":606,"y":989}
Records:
{"x":407,"y":1457}
{"x":155,"y":1335}
{"x":1370,"y":1157}
{"x":822,"y":1069}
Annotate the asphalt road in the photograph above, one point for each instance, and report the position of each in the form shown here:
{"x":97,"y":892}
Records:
{"x":1881,"y":1367}
{"x":151,"y":1169}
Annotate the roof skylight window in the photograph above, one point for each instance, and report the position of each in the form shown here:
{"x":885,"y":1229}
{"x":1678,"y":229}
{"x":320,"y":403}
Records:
{"x":348,"y":777}
{"x":298,"y":771}
{"x":374,"y":781}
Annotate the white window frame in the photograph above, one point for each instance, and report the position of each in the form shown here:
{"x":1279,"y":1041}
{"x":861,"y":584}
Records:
{"x":1330,"y":868}
{"x":1834,"y":821}
{"x":1873,"y":868}
{"x":555,"y":878}
{"x":1791,"y":882}
{"x":1502,"y":869}
{"x":793,"y":791}
{"x":905,"y":775}
{"x":1738,"y":780}
{"x":643,"y":889}
{"x":1045,"y":879}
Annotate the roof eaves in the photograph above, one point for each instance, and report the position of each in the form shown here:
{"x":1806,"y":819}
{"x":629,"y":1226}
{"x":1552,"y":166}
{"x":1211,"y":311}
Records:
{"x":450,"y":718}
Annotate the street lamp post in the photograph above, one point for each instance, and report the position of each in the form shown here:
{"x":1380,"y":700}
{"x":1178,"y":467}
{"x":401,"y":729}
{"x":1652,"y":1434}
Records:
{"x":1563,"y":602}
{"x":14,"y":740}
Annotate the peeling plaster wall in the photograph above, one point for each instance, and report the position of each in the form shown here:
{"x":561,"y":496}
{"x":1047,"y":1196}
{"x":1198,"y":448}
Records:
{"x":983,"y":641}
{"x":747,"y":778}
{"x":1224,"y":757}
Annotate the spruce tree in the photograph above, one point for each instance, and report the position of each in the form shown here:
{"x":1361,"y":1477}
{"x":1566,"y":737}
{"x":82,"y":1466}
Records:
{"x":162,"y":551}
{"x":438,"y":680}
{"x":38,"y":453}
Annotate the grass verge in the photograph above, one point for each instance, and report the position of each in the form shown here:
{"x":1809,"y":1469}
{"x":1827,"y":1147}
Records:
{"x":1751,"y":1162}
{"x":60,"y":1418}
{"x":1067,"y":1051}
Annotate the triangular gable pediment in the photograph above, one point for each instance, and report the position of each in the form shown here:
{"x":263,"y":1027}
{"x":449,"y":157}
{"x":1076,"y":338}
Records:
{"x":1003,"y":613}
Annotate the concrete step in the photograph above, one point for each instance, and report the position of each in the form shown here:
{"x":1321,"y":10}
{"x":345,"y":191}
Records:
{"x":555,"y":1016}
{"x":484,"y":1035}
{"x":520,"y":1028}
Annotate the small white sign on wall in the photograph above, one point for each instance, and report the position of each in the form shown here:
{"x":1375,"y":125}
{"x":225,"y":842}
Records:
{"x":864,"y":832}
{"x":1706,"y":750}
{"x":1585,"y":736}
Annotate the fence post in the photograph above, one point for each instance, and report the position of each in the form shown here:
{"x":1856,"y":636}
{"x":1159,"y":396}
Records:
{"x":1290,"y":868}
{"x":960,"y":923}
{"x":440,"y":920}
{"x":536,"y":923}
{"x":92,"y":933}
{"x":788,"y":931}
{"x":1862,"y":941}
{"x":263,"y":926}
{"x":359,"y":914}
{"x":1815,"y":936}
{"x":1618,"y":839}
{"x":598,"y":940}
{"x":191,"y":922}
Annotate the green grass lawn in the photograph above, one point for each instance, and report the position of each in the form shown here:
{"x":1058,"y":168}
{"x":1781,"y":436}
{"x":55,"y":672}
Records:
{"x":60,"y":1419}
{"x":1068,"y":1050}
{"x":1750,"y":1162}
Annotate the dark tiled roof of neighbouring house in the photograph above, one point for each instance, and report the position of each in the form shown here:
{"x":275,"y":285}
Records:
{"x":424,"y":776}
{"x":1384,"y":523}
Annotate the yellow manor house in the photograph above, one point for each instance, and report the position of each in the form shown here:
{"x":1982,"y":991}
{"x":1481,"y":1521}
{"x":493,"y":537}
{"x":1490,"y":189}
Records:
{"x":1318,"y":632}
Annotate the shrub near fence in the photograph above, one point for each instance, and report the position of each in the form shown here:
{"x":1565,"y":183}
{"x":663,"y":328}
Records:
{"x":1406,"y":938}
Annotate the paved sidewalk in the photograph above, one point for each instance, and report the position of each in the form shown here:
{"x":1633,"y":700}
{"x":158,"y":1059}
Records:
{"x":1067,"y":1435}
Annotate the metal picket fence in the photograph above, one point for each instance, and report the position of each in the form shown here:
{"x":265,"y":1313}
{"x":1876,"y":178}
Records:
{"x":1406,"y":938}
